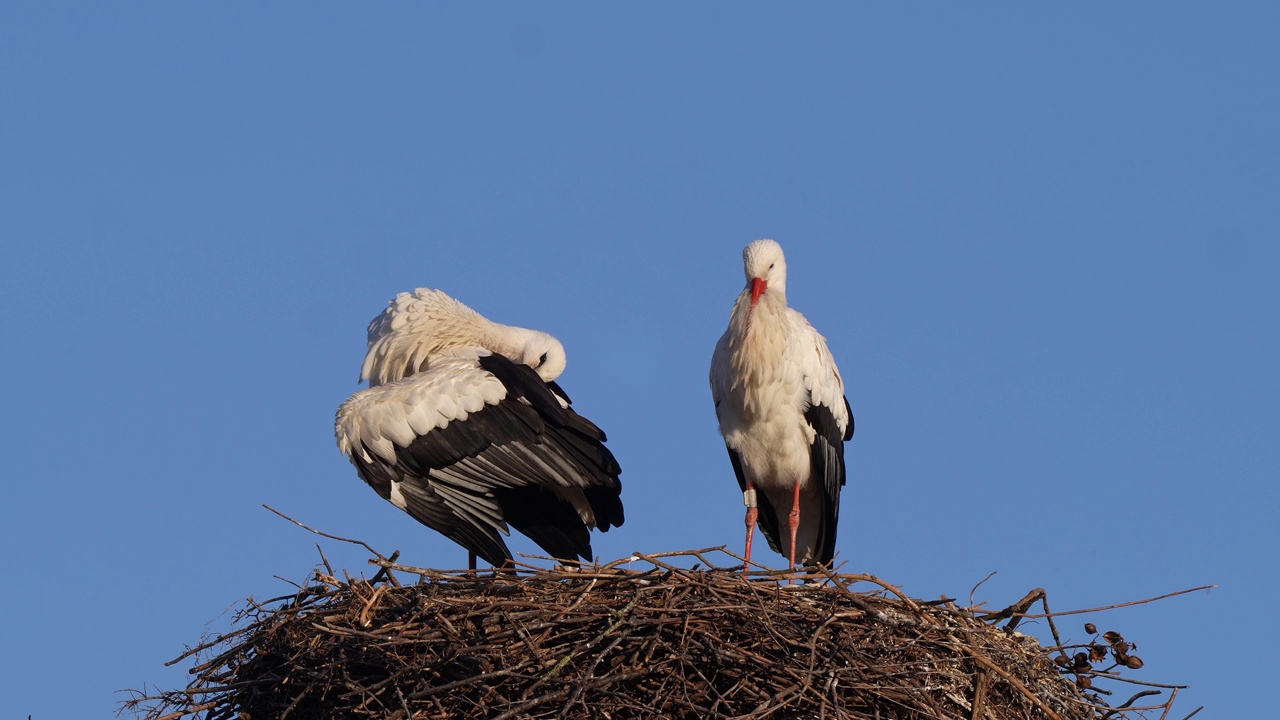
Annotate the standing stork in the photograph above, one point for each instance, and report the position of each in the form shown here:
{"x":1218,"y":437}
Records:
{"x":782,"y":411}
{"x":464,"y":428}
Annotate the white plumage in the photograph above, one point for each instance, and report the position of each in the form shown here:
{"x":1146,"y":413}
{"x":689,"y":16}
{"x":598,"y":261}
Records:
{"x":426,"y":322}
{"x":383,"y":417}
{"x":464,"y":428}
{"x":782,"y":411}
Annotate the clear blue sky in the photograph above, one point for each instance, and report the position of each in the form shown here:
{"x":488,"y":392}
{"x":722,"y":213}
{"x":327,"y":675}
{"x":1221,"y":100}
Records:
{"x":1042,"y":243}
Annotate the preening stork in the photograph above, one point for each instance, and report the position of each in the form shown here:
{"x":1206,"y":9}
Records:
{"x":464,"y":428}
{"x":783,"y":413}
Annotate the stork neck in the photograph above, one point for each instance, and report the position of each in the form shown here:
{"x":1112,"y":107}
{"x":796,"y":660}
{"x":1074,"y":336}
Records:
{"x":504,"y":340}
{"x":758,"y":335}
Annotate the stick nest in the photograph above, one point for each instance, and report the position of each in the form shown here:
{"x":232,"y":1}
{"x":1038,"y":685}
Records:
{"x":659,"y":642}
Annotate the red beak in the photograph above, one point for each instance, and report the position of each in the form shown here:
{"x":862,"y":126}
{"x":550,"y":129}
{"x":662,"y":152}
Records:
{"x":758,"y":286}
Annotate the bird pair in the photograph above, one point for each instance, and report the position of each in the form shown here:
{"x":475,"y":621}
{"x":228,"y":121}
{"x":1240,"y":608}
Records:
{"x":464,"y":427}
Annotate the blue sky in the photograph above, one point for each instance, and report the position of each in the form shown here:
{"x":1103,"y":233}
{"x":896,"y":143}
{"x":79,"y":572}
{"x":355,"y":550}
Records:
{"x":1042,"y":244}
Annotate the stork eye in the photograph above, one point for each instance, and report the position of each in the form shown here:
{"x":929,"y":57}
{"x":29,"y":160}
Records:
{"x":541,"y":361}
{"x":770,"y":266}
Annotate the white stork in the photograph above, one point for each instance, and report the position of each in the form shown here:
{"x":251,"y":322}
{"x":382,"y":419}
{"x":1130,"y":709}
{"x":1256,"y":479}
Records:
{"x":782,"y":411}
{"x":464,"y":428}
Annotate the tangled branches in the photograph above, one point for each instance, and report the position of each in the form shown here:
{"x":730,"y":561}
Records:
{"x":659,"y":642}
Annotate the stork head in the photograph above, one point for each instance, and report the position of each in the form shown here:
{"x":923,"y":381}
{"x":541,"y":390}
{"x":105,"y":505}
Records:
{"x":766,"y":269}
{"x":544,"y":354}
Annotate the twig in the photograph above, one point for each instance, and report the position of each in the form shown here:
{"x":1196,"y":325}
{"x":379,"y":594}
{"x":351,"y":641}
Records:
{"x":980,"y":582}
{"x":1121,"y":605}
{"x":361,"y":543}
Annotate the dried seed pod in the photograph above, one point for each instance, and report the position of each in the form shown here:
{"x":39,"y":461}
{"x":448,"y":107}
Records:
{"x":1097,"y":653}
{"x":1083,"y":682}
{"x":1133,"y":662}
{"x":1113,"y":637}
{"x":1061,"y":660}
{"x":1091,"y":628}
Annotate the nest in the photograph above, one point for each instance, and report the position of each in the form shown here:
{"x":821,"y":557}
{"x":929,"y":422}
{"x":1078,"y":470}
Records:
{"x":662,"y":641}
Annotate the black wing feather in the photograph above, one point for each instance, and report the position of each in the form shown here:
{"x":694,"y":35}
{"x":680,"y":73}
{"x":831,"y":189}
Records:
{"x":523,"y":383}
{"x":555,"y":388}
{"x":826,"y":457}
{"x":848,"y":433}
{"x":547,"y":520}
{"x":425,"y":505}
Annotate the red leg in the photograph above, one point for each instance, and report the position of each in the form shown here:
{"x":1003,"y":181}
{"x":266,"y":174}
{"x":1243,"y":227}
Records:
{"x":749,"y":497}
{"x":795,"y":523}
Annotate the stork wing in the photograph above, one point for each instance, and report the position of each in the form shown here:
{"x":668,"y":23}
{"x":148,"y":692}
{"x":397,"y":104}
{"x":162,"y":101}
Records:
{"x":831,"y":419}
{"x":822,"y":377}
{"x":468,"y":468}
